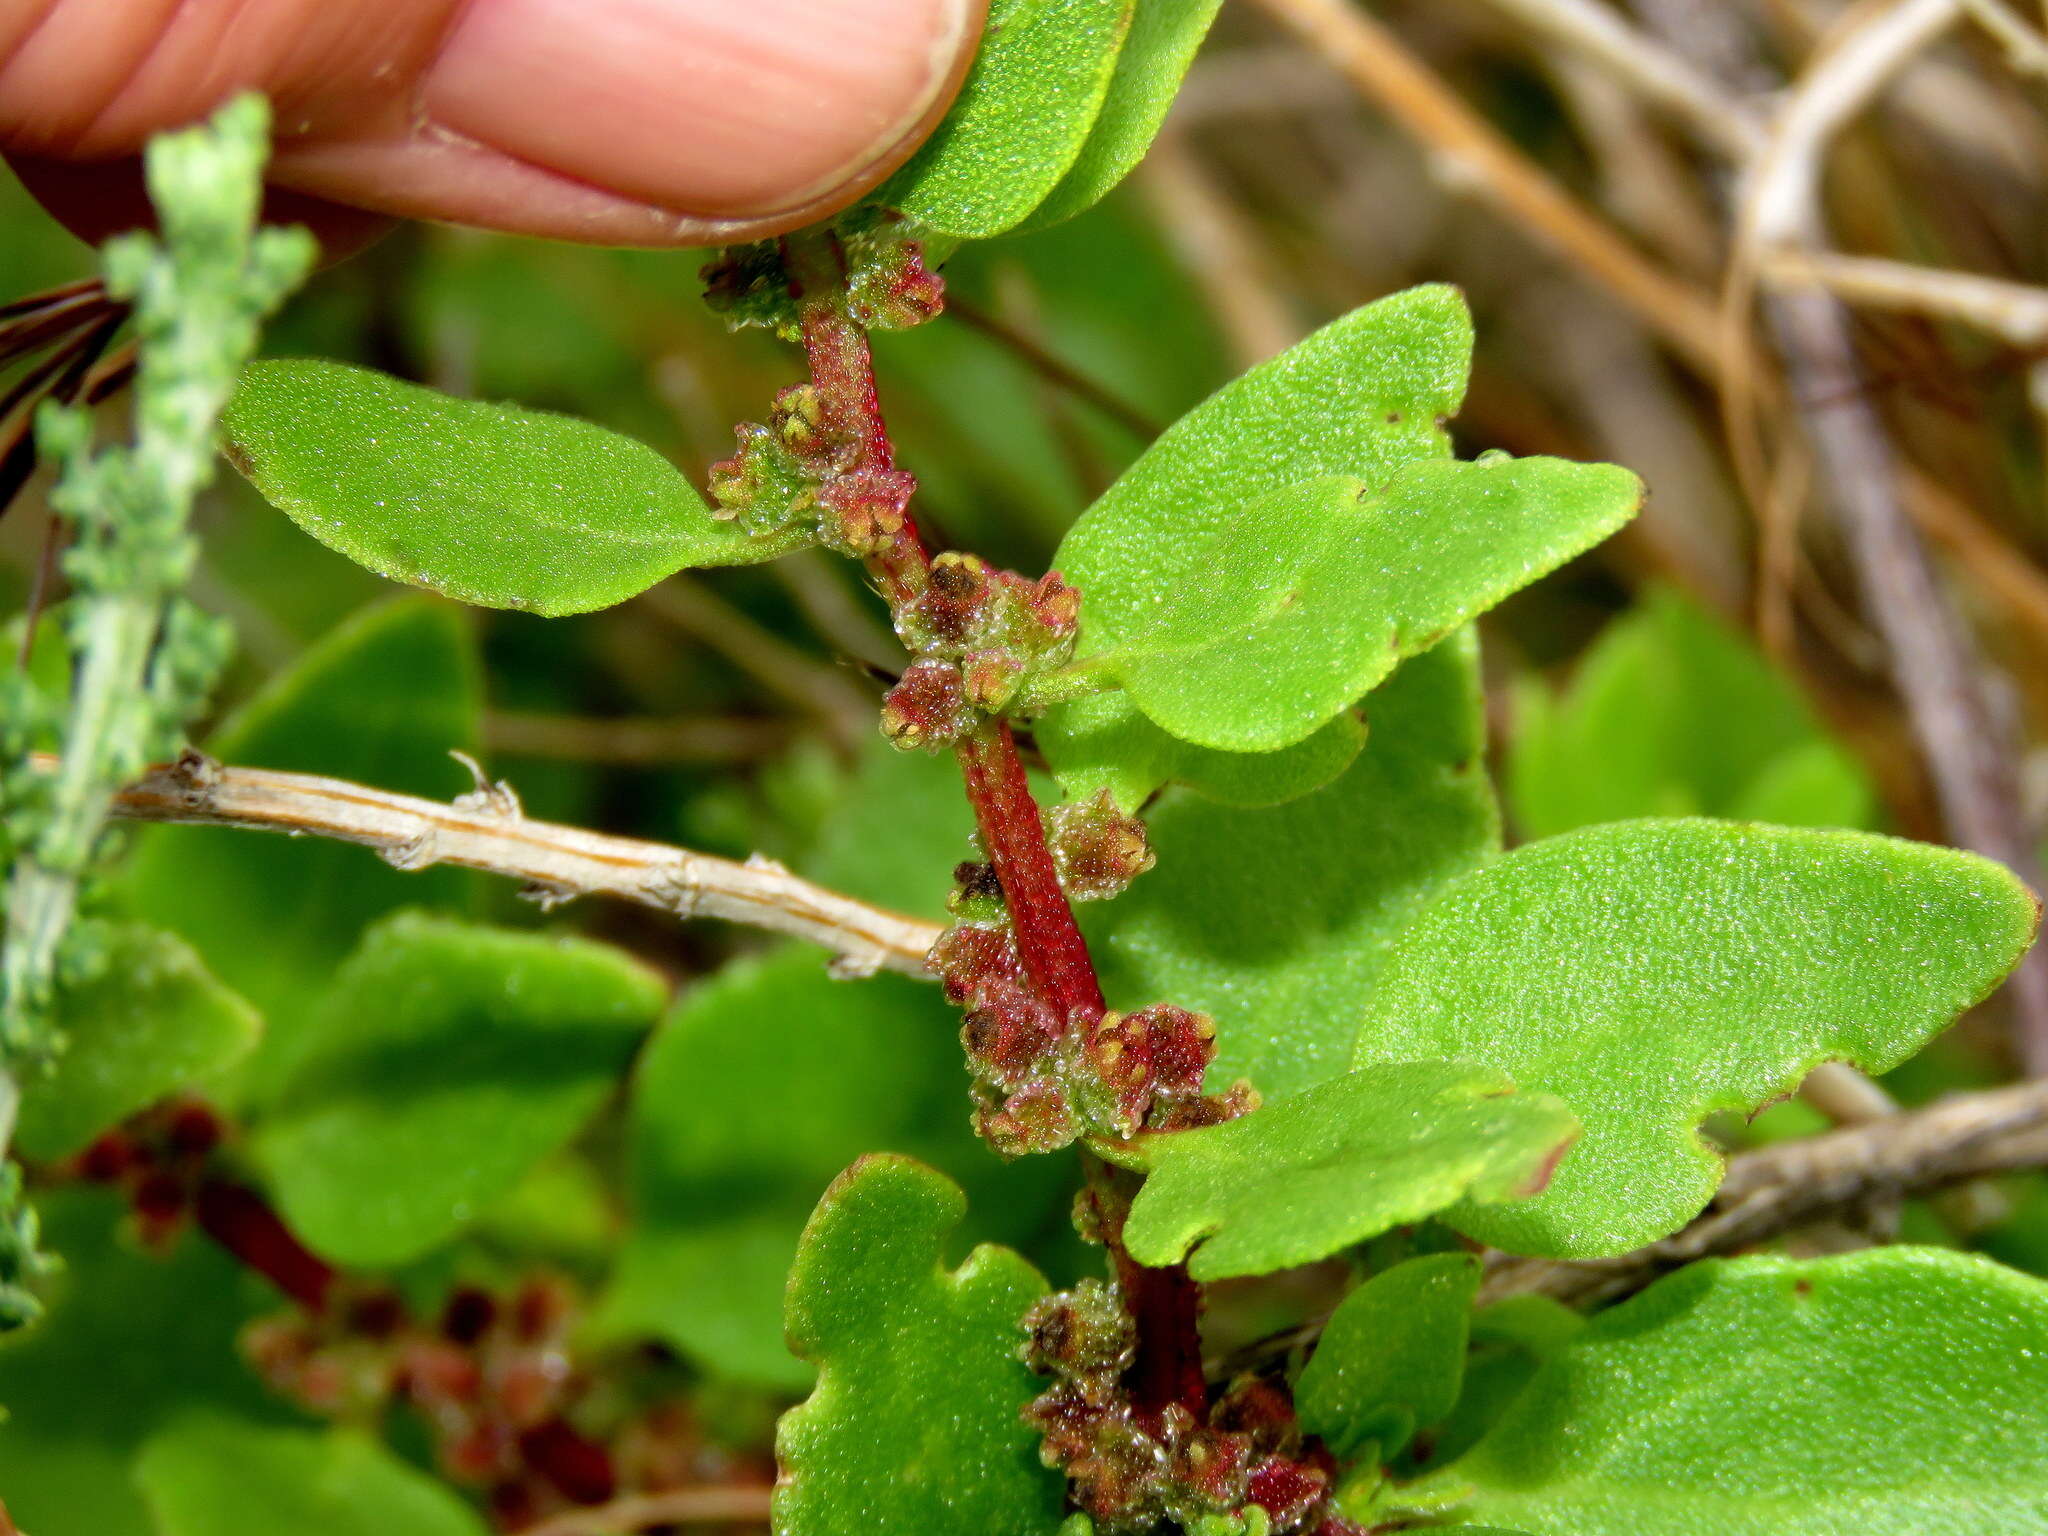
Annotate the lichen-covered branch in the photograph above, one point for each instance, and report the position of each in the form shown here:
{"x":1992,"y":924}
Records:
{"x":486,"y":830}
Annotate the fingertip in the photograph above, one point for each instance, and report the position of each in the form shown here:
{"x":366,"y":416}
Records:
{"x":729,"y":110}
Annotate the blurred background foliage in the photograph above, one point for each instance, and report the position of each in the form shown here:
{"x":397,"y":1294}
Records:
{"x":734,"y":711}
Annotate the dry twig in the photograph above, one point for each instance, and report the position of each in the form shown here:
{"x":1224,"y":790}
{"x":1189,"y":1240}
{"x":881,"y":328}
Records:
{"x":486,"y":830}
{"x":1777,"y":1189}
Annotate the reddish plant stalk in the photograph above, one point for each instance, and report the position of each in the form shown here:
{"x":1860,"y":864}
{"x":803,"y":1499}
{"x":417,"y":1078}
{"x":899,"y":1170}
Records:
{"x":1165,"y":1303}
{"x":242,"y":1222}
{"x":1049,"y":941}
{"x":843,"y":372}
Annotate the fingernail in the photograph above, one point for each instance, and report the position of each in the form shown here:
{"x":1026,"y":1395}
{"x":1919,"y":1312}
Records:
{"x":728,"y":108}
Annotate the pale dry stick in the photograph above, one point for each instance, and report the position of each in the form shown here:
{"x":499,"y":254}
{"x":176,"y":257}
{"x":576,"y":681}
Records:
{"x":1210,"y":239}
{"x":1478,"y":157}
{"x":1942,"y":681}
{"x":639,"y":1512}
{"x":2014,"y":312}
{"x":1653,"y":71}
{"x":486,"y":830}
{"x":1776,"y":1189}
{"x":2025,"y":49}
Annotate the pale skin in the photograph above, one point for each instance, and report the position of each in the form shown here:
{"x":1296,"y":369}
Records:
{"x":615,"y":122}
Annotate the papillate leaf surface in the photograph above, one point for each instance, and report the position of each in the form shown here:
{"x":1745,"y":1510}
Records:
{"x":1164,"y":35}
{"x":915,"y":1424}
{"x":1391,"y":1357}
{"x":1671,"y":713}
{"x":447,"y":1060}
{"x":1242,"y":608}
{"x":1894,"y":1392}
{"x":1301,"y":1179}
{"x":380,"y":701}
{"x":1362,"y":396}
{"x":1259,"y":625}
{"x":720,"y":1187}
{"x":1021,"y":119}
{"x":1273,"y":922}
{"x":217,"y":1477}
{"x":489,"y":504}
{"x":1650,"y":973}
{"x":151,"y":1020}
{"x":1104,"y":742}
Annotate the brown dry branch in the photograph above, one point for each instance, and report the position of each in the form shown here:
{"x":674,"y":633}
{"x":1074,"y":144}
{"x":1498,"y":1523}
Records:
{"x":639,"y":1512}
{"x":486,"y":830}
{"x":1777,"y":1189}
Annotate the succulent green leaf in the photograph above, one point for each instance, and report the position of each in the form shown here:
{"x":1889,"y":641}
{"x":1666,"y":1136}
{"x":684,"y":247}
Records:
{"x":217,"y":1477}
{"x":1248,"y":633}
{"x":150,"y":1020}
{"x":131,"y":1342}
{"x":1163,"y":38}
{"x":1364,"y":397}
{"x":1391,"y":1357}
{"x":446,"y":1061}
{"x":1023,"y":115}
{"x":1273,"y":922}
{"x":892,"y":834}
{"x":720,"y":1187}
{"x":915,"y":1424}
{"x":1103,"y":742}
{"x":488,"y":504}
{"x":1511,"y":1341}
{"x":1346,"y":1160}
{"x":1893,"y":1392}
{"x":1397,"y":367}
{"x":382,"y":701}
{"x":1670,"y":713}
{"x":1651,"y":973}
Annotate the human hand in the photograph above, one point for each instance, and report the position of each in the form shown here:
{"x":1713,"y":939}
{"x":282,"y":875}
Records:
{"x":617,"y":122}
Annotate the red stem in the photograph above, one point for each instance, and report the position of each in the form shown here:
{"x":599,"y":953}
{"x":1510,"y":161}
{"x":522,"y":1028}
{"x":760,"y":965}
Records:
{"x":1049,"y":941}
{"x":1165,"y":1303}
{"x":243,"y":1223}
{"x":580,"y":1469}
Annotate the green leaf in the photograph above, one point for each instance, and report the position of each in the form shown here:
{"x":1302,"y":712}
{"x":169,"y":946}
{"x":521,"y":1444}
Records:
{"x":1102,"y":742}
{"x":1672,"y":713}
{"x":1257,"y":623}
{"x":1399,"y":368}
{"x":893,"y":833}
{"x":1037,"y":86}
{"x":1893,"y":1392}
{"x":381,"y":701}
{"x":1163,"y":39}
{"x":447,"y":1060}
{"x":721,"y":1187}
{"x":1651,"y":973}
{"x":1511,"y":1341}
{"x":488,"y":504}
{"x":1348,"y":1159}
{"x":1274,"y":922}
{"x":916,"y":1422}
{"x":131,"y":1341}
{"x":1392,"y":1356}
{"x":214,"y":1477}
{"x":152,"y":1020}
